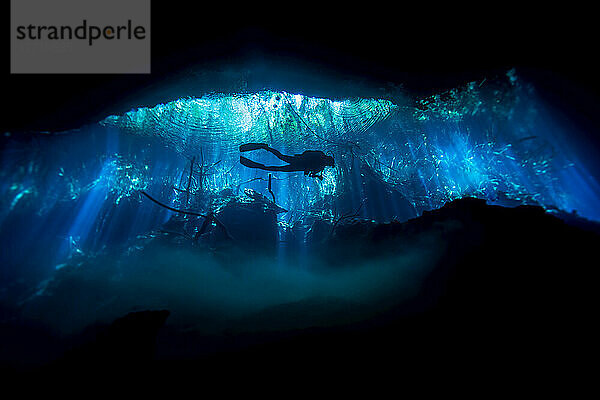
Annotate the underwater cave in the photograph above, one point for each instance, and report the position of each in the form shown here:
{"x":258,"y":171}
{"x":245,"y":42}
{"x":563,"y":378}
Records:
{"x":151,"y":209}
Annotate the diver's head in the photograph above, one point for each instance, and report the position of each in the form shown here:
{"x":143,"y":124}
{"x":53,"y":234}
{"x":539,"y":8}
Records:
{"x":329,"y":161}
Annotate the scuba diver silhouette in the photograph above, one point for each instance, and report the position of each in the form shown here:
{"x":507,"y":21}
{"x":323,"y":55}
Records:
{"x":312,"y":162}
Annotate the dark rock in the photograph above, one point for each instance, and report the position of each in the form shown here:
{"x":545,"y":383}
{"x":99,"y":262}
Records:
{"x":319,"y":231}
{"x":251,"y":220}
{"x":129,"y":340}
{"x":512,"y":289}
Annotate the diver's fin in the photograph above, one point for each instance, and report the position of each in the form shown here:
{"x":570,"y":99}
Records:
{"x":250,"y":164}
{"x":253,"y":146}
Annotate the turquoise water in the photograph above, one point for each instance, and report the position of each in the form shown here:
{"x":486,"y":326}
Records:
{"x":74,"y":198}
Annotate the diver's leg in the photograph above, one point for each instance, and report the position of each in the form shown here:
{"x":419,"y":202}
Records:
{"x":285,"y":168}
{"x":282,"y":157}
{"x":276,"y":153}
{"x":280,"y":168}
{"x":253,"y":146}
{"x":251,"y":164}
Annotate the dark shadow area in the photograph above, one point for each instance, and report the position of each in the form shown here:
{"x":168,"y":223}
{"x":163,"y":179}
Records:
{"x":512,"y":295}
{"x":420,"y":49}
{"x":508,"y":296}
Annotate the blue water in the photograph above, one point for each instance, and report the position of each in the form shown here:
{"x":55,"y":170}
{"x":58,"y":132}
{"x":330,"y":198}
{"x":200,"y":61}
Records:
{"x":78,"y":193}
